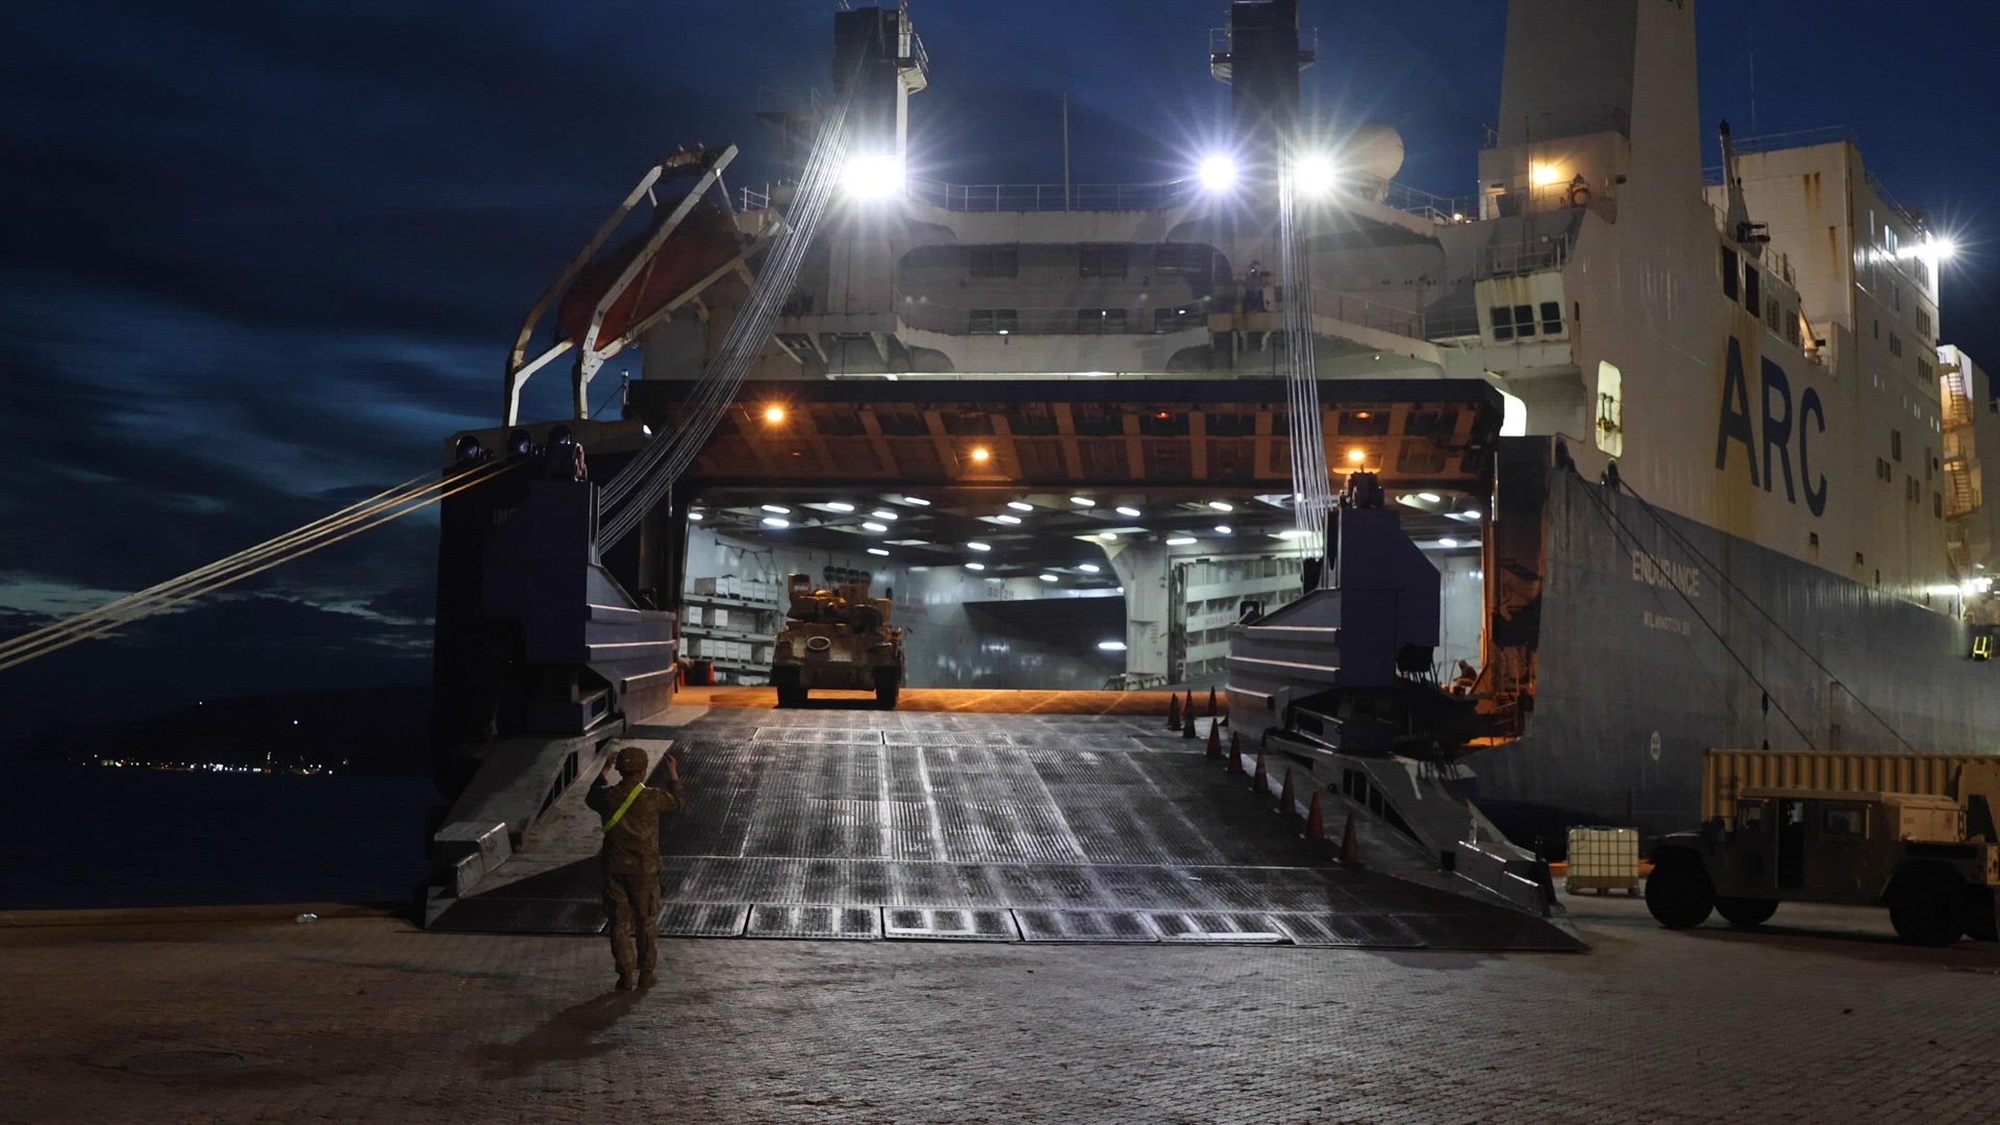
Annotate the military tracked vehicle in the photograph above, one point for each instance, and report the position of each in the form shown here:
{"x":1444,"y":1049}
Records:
{"x":836,"y":638}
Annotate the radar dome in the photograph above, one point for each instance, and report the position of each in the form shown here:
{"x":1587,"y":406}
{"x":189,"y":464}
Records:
{"x":1375,"y":150}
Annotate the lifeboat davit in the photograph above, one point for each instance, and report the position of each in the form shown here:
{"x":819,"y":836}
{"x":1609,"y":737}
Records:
{"x":703,"y":243}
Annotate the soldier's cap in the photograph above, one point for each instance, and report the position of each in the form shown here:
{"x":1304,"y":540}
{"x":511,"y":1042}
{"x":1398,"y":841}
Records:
{"x":631,"y":761}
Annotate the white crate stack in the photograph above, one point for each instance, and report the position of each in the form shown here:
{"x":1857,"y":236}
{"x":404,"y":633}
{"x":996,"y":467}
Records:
{"x":1603,"y":860}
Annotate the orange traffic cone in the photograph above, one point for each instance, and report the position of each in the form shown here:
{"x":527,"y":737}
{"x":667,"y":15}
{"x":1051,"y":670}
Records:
{"x":1214,"y":741}
{"x":1225,"y":710}
{"x":1188,"y":723}
{"x":1287,"y":799}
{"x":1350,"y":845}
{"x":1235,"y":755}
{"x":1173,"y":712}
{"x":1211,"y":703}
{"x":1315,"y":822}
{"x":1260,"y":783}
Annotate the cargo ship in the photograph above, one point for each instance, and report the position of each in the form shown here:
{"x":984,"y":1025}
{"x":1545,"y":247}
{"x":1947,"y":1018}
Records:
{"x":1678,"y":451}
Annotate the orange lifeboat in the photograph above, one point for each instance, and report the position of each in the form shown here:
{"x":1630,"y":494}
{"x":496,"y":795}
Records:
{"x":703,"y":243}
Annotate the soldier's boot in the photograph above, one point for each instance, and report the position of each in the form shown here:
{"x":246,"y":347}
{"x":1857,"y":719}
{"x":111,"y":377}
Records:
{"x":647,"y":980}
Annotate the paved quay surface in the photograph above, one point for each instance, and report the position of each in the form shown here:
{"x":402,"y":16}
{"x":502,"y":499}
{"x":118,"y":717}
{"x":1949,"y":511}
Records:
{"x":120,"y":1018}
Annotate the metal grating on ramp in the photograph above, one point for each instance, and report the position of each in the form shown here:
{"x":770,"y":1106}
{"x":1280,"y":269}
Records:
{"x":1085,"y":925}
{"x":704,"y":919}
{"x":814,"y":922}
{"x":986,"y":827}
{"x":949,"y":924}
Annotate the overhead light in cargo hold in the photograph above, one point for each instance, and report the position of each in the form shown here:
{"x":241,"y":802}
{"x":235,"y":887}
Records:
{"x":917,"y":500}
{"x":1429,"y":497}
{"x":1222,"y":505}
{"x":777,"y":509}
{"x":1008,"y":519}
{"x":872,"y":526}
{"x":1356,"y":456}
{"x":695,"y":517}
{"x":877,"y":551}
{"x":1019,"y":506}
{"x":1050,"y":578}
{"x":883,"y":514}
{"x":1083,"y":501}
{"x":1447,"y":542}
{"x":1224,"y":529}
{"x":1129,"y":511}
{"x":774,"y":521}
{"x":1088,"y":568}
{"x":774,"y":414}
{"x":839,"y":506}
{"x":981,"y":454}
{"x":975,"y":566}
{"x":1293,"y":533}
{"x":1180,"y":540}
{"x":980,"y":546}
{"x":1111,"y":646}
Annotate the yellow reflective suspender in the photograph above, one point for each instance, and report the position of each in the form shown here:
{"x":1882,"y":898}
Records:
{"x":637,"y":788}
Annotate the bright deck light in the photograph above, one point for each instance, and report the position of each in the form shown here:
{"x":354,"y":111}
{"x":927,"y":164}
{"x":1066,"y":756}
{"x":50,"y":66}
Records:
{"x":697,"y":517}
{"x":774,"y":414}
{"x":1111,"y":646}
{"x":981,"y":453}
{"x":1356,"y":456}
{"x":1315,"y":174}
{"x":1216,"y":172}
{"x":873,"y":175}
{"x":1545,"y":175}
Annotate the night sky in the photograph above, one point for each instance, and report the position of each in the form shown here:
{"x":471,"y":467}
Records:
{"x":258,"y":260}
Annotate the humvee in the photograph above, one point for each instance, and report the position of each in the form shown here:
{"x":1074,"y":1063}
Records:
{"x":1902,"y":850}
{"x":838,"y":638}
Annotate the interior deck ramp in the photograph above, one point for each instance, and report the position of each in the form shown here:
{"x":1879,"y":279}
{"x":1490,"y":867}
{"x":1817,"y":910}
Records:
{"x":954,"y":826}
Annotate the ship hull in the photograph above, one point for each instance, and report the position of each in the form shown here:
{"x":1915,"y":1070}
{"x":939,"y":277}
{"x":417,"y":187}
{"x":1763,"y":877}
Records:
{"x":1660,"y":637}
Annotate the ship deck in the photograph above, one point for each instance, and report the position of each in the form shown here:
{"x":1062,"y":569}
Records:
{"x":941,"y":823}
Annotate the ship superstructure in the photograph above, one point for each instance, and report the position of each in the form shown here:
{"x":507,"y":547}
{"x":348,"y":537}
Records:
{"x":1682,"y":444}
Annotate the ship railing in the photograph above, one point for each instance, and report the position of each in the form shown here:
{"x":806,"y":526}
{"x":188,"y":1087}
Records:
{"x":957,"y":320}
{"x":1516,"y":258}
{"x":1402,"y":320}
{"x":1052,"y":197}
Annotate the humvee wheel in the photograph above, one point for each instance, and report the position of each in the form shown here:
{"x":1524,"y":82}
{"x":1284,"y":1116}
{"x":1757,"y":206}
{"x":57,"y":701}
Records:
{"x":1980,"y":922}
{"x":1678,"y":893}
{"x":791,"y":693}
{"x":1746,"y":911}
{"x":888,"y":684}
{"x":1927,"y":907}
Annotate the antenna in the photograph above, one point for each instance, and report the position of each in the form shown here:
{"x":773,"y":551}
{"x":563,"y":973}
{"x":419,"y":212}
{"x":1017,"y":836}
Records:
{"x":1750,"y":45}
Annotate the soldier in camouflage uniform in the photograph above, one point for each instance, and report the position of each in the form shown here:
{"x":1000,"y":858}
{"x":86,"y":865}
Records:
{"x":631,"y":811}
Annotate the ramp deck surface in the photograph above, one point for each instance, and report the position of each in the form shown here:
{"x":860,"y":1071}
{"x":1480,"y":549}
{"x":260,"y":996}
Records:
{"x":830,"y":822}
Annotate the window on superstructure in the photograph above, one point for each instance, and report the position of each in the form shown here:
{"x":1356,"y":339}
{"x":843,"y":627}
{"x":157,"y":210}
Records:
{"x":1792,"y":334}
{"x":1180,"y":258}
{"x":1503,"y":322}
{"x":1552,"y":318}
{"x":993,"y":261}
{"x":1771,"y":311}
{"x":991,"y":322}
{"x":1524,"y":321}
{"x":1102,"y":261}
{"x":1896,"y":297}
{"x":1895,"y":344}
{"x":1889,"y":240}
{"x":1729,"y":289}
{"x":1937,"y":505}
{"x":1100,"y":321}
{"x":1172,"y":320}
{"x":1753,"y":295}
{"x":1926,"y":372}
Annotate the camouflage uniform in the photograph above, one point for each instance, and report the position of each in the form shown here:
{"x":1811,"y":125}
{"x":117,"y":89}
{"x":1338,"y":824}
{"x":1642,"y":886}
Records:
{"x":631,"y":859}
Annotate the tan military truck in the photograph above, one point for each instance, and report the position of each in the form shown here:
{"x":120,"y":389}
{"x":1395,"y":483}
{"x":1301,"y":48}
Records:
{"x":1910,"y":852}
{"x":836,"y":638}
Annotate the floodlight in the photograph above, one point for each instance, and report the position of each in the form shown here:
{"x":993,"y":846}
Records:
{"x":873,"y":175}
{"x":1315,"y":174}
{"x":1217,"y":173}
